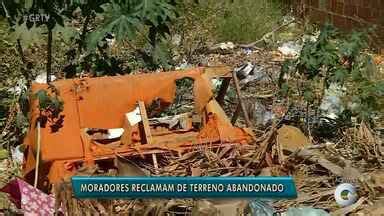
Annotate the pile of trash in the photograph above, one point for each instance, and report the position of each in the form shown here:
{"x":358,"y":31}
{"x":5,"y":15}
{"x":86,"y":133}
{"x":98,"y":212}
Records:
{"x":275,"y":153}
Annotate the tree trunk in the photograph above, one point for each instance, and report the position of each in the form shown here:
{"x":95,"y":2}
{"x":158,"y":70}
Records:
{"x":25,"y":70}
{"x":152,"y":36}
{"x":83,"y":33}
{"x":152,"y":40}
{"x":49,"y":55}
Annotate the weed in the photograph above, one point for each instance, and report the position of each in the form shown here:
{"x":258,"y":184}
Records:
{"x":246,"y":20}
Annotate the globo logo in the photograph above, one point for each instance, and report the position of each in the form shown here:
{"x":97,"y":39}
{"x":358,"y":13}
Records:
{"x":345,"y":194}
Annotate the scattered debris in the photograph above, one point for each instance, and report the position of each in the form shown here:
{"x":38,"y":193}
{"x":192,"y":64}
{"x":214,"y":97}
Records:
{"x":184,"y":65}
{"x":226,"y":46}
{"x":259,"y":113}
{"x":223,"y":48}
{"x":17,"y":154}
{"x":261,"y":208}
{"x":42,"y":78}
{"x":290,"y":49}
{"x":251,"y":73}
{"x":331,"y":105}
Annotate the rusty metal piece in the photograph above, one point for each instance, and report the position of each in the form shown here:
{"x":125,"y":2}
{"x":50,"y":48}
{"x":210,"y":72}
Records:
{"x":103,"y":103}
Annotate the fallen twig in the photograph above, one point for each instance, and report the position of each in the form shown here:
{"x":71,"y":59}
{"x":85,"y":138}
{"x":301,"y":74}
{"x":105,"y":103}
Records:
{"x":246,"y":117}
{"x":253,"y":44}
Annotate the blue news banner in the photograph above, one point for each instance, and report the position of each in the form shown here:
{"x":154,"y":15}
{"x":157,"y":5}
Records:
{"x":184,"y":187}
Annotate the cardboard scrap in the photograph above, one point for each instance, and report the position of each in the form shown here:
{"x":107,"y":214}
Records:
{"x":291,"y":138}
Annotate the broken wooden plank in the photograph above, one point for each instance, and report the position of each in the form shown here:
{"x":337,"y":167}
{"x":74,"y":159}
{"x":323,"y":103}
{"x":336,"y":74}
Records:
{"x":144,"y":118}
{"x":147,"y":130}
{"x":126,"y":138}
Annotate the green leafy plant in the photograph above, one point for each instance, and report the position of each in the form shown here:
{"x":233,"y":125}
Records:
{"x":123,"y":20}
{"x":157,"y":15}
{"x":120,"y":18}
{"x":88,"y":11}
{"x":128,"y":19}
{"x":50,"y":107}
{"x":339,"y":59}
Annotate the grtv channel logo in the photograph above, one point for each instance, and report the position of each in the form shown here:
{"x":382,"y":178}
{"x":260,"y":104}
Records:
{"x":36,"y":17}
{"x":345,"y":194}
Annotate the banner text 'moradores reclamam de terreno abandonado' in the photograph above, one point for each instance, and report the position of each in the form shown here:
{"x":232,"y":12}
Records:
{"x":183,"y":187}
